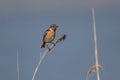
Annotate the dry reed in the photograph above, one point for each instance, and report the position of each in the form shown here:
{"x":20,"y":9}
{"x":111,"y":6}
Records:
{"x":95,"y":43}
{"x":17,"y":64}
{"x":42,"y":56}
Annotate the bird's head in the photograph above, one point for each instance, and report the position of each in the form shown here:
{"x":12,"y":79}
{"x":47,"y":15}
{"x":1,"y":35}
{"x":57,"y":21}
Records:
{"x":53,"y":27}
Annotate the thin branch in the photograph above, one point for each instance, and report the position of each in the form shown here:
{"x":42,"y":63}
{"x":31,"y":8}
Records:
{"x":17,"y":64}
{"x":42,"y":56}
{"x":95,"y":42}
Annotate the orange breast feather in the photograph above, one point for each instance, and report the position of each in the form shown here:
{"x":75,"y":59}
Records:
{"x":50,"y":36}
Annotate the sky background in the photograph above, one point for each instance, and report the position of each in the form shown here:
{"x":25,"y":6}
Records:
{"x":23,"y":22}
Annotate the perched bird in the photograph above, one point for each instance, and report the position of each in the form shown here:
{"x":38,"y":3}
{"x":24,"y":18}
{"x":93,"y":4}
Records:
{"x":49,"y":35}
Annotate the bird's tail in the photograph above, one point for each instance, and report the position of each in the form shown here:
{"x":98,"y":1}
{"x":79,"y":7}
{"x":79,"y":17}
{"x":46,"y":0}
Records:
{"x":43,"y":45}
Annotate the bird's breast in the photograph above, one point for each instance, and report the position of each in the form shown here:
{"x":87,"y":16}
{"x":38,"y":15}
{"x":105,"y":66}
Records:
{"x":50,"y":36}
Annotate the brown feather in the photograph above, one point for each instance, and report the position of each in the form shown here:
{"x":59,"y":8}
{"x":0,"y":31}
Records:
{"x":49,"y":35}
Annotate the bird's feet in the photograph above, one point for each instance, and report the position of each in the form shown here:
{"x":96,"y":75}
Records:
{"x":48,"y":48}
{"x":53,"y":43}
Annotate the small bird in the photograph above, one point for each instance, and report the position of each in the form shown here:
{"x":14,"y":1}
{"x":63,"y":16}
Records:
{"x":49,"y":35}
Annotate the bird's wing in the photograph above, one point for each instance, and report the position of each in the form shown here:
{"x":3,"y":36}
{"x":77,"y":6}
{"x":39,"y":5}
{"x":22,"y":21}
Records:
{"x":45,"y":33}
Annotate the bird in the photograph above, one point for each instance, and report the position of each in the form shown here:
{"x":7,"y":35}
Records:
{"x":49,"y":35}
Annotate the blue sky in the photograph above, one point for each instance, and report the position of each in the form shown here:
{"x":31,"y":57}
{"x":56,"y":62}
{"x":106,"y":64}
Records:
{"x":20,"y":28}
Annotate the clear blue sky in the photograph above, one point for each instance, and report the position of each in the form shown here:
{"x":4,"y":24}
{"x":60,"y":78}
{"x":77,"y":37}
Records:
{"x":20,"y":28}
